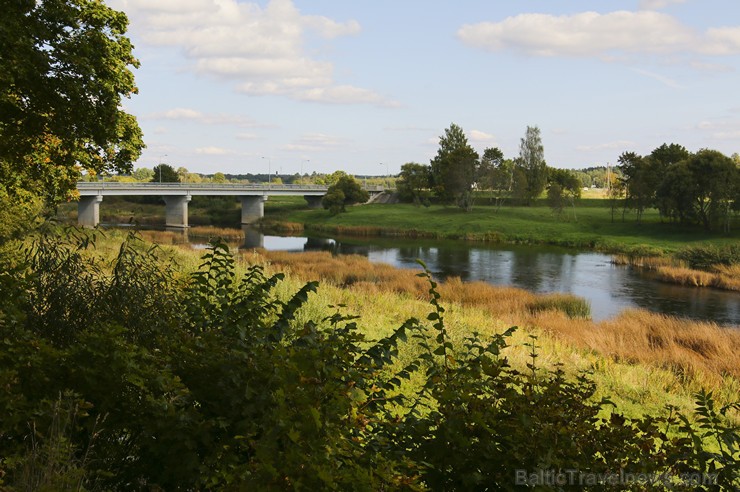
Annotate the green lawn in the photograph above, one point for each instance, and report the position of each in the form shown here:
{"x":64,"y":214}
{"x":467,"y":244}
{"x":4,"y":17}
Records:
{"x":593,"y":229}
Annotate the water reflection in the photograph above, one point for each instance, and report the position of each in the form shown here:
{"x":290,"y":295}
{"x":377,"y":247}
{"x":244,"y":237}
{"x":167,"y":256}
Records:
{"x":609,"y":288}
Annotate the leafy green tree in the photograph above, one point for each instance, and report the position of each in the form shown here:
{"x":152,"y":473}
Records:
{"x":615,"y":192}
{"x":346,"y":191}
{"x":143,"y":174}
{"x":666,"y":155}
{"x":164,"y":173}
{"x":454,"y":168}
{"x":532,"y":162}
{"x":333,"y":178}
{"x":64,"y":69}
{"x":413,"y":182}
{"x":218,"y":178}
{"x":674,"y":196}
{"x":496,"y":174}
{"x":714,"y":179}
{"x":640,"y":182}
{"x":564,"y":189}
{"x":519,"y":183}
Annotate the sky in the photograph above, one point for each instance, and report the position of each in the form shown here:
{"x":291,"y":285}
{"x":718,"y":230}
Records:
{"x":366,"y":86}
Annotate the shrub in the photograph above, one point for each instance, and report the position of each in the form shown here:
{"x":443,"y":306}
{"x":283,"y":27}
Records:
{"x":151,"y":381}
{"x":707,"y":256}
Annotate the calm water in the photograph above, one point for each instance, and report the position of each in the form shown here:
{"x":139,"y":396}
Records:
{"x":609,"y":288}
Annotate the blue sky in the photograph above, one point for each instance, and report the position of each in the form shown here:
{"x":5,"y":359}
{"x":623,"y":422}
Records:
{"x":321,"y":85}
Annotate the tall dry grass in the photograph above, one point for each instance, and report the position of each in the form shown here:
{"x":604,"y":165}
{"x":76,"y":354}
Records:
{"x":228,"y":234}
{"x":674,"y":271}
{"x":687,"y":348}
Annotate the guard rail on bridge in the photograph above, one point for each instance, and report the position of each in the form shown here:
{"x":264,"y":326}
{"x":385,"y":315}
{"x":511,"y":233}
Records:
{"x":177,"y":195}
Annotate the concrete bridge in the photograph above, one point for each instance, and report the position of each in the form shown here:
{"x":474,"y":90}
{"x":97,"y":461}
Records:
{"x":177,"y":195}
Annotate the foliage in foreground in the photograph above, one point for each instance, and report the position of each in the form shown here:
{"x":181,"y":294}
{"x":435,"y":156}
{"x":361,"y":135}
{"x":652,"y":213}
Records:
{"x":128,"y":376}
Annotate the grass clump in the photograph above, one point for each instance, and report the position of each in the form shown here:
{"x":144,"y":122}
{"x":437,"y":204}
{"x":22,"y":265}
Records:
{"x":572,"y":306}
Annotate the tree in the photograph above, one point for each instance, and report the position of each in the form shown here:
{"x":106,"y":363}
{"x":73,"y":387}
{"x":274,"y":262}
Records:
{"x":219,"y":178}
{"x":64,"y":68}
{"x":532,"y":162}
{"x":564,"y":188}
{"x":164,"y":173}
{"x":454,"y":168}
{"x":666,"y":155}
{"x":346,"y":191}
{"x":640,"y":182}
{"x":615,"y":192}
{"x":714,"y":178}
{"x":413,"y":182}
{"x":143,"y":174}
{"x":495,"y":174}
{"x":674,"y":194}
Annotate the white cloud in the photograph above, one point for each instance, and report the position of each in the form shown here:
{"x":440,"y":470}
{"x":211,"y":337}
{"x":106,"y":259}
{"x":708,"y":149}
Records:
{"x":261,"y":49}
{"x":212,"y":151}
{"x":721,"y":129}
{"x":188,"y":114}
{"x":658,"y":4}
{"x":612,"y":36}
{"x":247,"y":136}
{"x":479,"y":136}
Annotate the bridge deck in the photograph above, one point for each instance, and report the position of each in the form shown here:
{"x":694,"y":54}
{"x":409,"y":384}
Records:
{"x":177,"y":195}
{"x":212,"y":189}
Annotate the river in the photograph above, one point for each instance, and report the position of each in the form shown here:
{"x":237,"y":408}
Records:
{"x":608,"y":288}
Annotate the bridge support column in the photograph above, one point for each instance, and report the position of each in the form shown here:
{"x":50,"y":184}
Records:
{"x":88,"y":210}
{"x":253,"y":208}
{"x":313,"y":201}
{"x":253,"y":238}
{"x":176,"y":210}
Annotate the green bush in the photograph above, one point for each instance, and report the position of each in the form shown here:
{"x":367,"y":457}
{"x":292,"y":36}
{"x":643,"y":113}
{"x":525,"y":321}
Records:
{"x":706,"y":256}
{"x":129,"y":377}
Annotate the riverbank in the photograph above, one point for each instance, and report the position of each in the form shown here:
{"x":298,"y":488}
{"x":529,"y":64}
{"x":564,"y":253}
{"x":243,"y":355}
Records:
{"x":644,"y":245}
{"x":643,"y":361}
{"x":206,"y":349}
{"x":651,"y":244}
{"x":594,"y":228}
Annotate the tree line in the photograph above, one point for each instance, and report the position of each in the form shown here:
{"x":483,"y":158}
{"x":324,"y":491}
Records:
{"x":701,"y":188}
{"x":458,"y":171}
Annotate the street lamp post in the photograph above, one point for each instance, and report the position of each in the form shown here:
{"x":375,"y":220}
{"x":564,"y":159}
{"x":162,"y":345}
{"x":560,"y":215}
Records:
{"x":304,"y":160}
{"x":269,"y":169}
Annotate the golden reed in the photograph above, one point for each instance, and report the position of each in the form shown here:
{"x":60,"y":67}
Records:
{"x":684,"y":346}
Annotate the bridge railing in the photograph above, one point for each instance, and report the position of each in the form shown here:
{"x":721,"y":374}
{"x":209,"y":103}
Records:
{"x":103,"y":185}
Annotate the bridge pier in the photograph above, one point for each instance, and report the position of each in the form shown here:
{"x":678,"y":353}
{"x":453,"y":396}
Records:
{"x":253,"y":208}
{"x":88,"y":210}
{"x":176,"y":211}
{"x":253,"y":238}
{"x":313,"y":201}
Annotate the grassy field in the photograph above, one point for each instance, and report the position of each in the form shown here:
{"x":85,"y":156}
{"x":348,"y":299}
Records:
{"x":642,"y":361}
{"x":593,"y":228}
